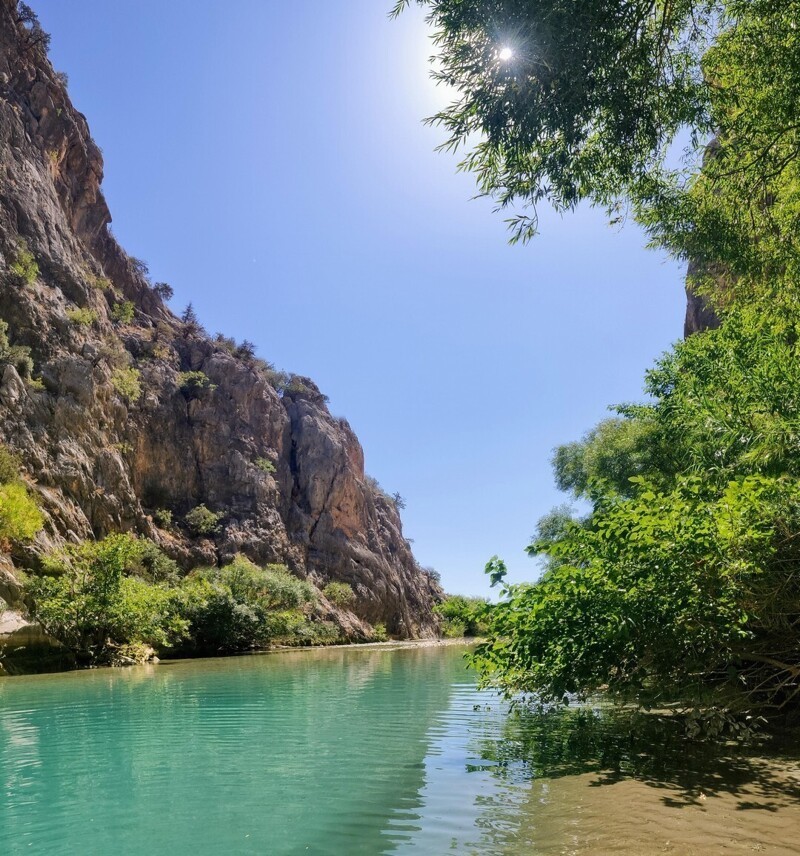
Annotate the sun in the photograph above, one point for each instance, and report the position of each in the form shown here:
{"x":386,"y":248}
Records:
{"x":506,"y":54}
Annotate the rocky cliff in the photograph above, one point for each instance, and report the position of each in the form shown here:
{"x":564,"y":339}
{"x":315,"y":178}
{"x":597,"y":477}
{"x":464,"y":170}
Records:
{"x":125,"y":415}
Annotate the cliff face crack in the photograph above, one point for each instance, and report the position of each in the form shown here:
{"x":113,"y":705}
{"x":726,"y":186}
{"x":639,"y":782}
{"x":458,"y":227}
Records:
{"x":325,"y":502}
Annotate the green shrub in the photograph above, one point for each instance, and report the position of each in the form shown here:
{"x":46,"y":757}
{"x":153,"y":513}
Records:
{"x":452,"y":628}
{"x":274,"y":586}
{"x":242,"y":606}
{"x":203,"y":521}
{"x":123,"y":313}
{"x":462,"y":616}
{"x":379,"y":632}
{"x":192,"y":384}
{"x":20,"y":518}
{"x":218,"y":623}
{"x":314,"y":633}
{"x":9,"y":465}
{"x":24,"y":266}
{"x":101,"y":283}
{"x":90,"y":601}
{"x":82,"y":317}
{"x":163,"y":517}
{"x":265,"y":465}
{"x":340,"y":594}
{"x":127,"y":383}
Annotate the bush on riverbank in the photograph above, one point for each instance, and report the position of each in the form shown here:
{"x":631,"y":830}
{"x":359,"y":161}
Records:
{"x":116,"y":599}
{"x":462,"y":616}
{"x":242,"y":606}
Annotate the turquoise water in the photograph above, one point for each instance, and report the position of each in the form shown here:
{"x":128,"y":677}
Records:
{"x":339,"y":751}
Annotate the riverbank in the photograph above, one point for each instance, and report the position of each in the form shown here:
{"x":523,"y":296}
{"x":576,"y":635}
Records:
{"x":33,"y":652}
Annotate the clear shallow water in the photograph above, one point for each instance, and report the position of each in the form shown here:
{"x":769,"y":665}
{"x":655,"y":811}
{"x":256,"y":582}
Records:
{"x":341,"y":751}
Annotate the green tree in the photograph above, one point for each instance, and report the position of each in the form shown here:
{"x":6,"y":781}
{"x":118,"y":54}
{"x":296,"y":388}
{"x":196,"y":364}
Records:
{"x":91,"y":600}
{"x":680,"y":583}
{"x":560,"y":101}
{"x":684,"y":587}
{"x":462,"y":616}
{"x":242,"y":606}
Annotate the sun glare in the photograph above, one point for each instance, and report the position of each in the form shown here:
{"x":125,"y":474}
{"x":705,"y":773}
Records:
{"x":506,"y":54}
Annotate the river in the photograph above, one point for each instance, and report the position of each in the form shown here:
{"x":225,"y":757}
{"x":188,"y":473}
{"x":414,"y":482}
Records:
{"x":361,"y":751}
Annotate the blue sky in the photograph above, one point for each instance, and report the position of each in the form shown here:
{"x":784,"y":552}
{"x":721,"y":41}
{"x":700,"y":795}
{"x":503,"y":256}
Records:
{"x":269,"y":161}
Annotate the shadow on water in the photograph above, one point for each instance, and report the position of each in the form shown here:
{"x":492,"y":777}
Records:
{"x":650,"y":749}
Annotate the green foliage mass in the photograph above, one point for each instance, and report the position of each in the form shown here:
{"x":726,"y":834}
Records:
{"x":18,"y":356}
{"x":462,"y":616}
{"x":20,"y":517}
{"x":123,"y":313}
{"x":683,"y":584}
{"x":680,"y":585}
{"x":202,"y":520}
{"x":24,"y":266}
{"x":105,"y":599}
{"x":9,"y":465}
{"x":82,"y":317}
{"x":559,"y":125}
{"x":340,"y":594}
{"x":127,"y":382}
{"x":243,"y":606}
{"x":91,"y":600}
{"x":265,"y":465}
{"x":192,"y":384}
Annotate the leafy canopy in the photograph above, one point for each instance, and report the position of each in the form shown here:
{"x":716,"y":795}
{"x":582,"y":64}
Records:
{"x":683,"y":583}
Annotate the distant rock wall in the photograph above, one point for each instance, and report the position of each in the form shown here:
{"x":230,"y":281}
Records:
{"x":102,"y":461}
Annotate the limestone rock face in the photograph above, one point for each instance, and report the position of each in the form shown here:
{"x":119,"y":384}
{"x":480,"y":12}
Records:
{"x":261,"y":449}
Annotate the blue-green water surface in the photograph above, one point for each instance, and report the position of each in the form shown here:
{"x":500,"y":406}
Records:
{"x":336,"y":751}
{"x":356,"y":751}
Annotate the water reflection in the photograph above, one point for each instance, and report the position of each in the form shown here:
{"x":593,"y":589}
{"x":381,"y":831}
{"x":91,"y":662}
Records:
{"x":594,"y":780}
{"x":361,"y":751}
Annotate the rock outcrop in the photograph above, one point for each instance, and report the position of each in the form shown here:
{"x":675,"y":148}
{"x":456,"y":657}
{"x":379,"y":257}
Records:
{"x":129,"y":414}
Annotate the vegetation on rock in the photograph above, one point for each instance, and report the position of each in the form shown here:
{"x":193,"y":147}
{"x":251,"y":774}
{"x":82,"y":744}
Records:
{"x":123,"y":313}
{"x":82,"y":317}
{"x":127,"y":382}
{"x":18,"y":356}
{"x":202,"y":520}
{"x":340,"y":594}
{"x":192,"y":384}
{"x":20,"y":517}
{"x":24,"y":266}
